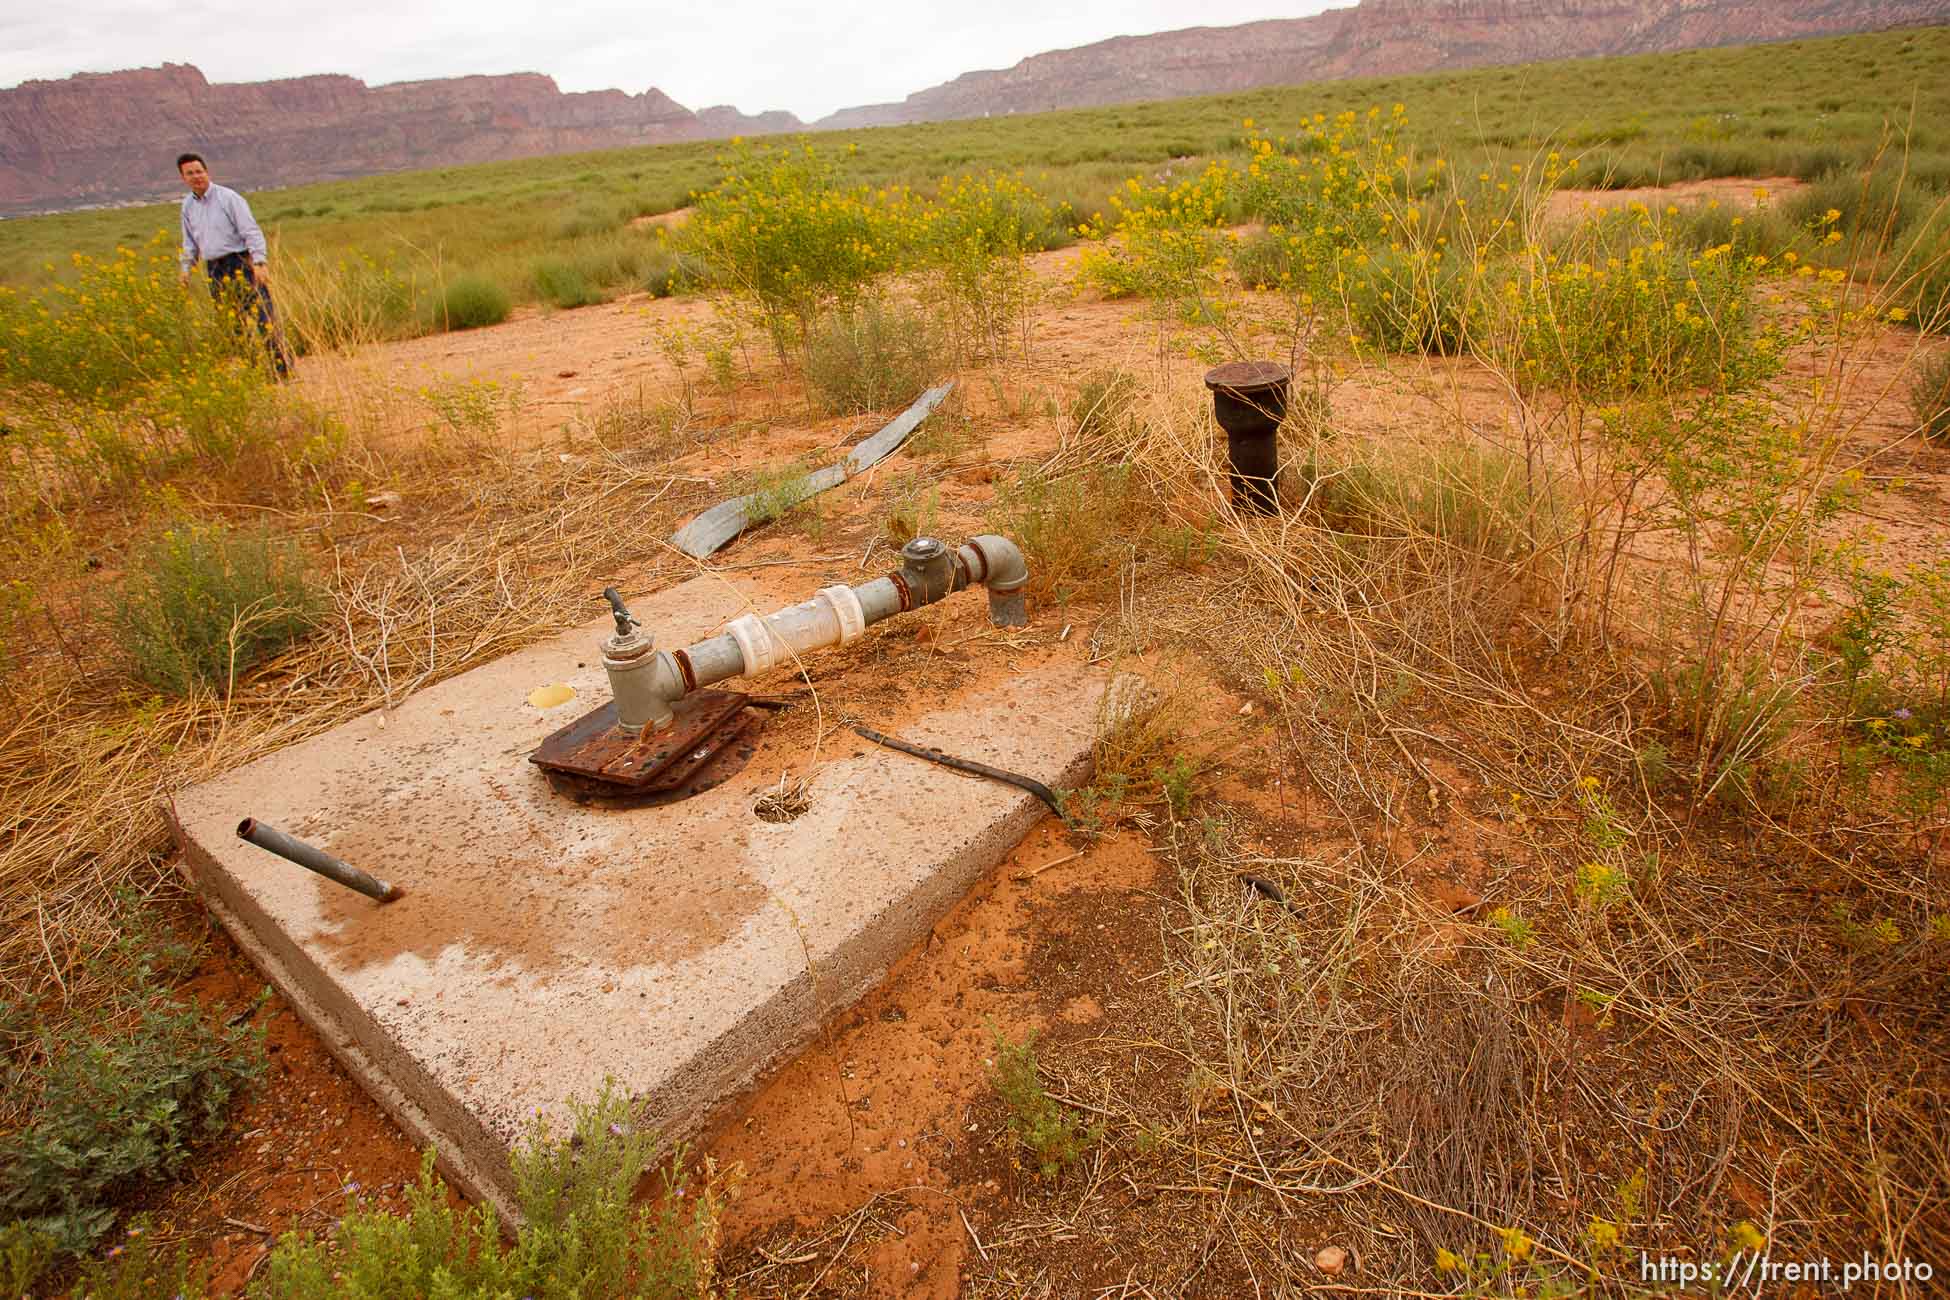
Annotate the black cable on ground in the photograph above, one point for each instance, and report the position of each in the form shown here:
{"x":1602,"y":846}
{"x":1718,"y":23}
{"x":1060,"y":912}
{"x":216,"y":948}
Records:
{"x":968,"y":765}
{"x":1269,"y":891}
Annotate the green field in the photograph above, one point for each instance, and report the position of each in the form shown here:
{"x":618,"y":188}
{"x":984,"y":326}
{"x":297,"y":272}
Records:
{"x":1803,"y":108}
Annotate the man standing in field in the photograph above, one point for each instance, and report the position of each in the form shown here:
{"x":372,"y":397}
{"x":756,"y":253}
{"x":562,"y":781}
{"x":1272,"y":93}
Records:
{"x":218,"y":229}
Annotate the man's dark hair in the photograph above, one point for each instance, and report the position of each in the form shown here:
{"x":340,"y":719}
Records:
{"x":188,"y":158}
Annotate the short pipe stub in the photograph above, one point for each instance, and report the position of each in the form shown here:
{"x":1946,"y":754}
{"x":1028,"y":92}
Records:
{"x":1008,"y":608}
{"x":1249,"y":401}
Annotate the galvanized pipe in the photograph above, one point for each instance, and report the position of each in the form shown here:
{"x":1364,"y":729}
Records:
{"x":273,"y":840}
{"x":834,"y":616}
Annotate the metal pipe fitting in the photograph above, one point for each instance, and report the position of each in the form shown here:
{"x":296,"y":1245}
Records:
{"x":835,"y":615}
{"x":928,"y":571}
{"x":997,"y":563}
{"x":639,"y":681}
{"x":273,"y":840}
{"x":1249,"y":401}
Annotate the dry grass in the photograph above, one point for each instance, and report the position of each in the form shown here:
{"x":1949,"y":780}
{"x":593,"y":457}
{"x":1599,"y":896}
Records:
{"x":1643,"y":1069}
{"x":485,"y":555}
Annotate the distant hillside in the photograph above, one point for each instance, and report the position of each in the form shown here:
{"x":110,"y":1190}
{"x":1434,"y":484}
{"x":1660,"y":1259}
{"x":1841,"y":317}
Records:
{"x":112,"y":137}
{"x":1378,"y":38}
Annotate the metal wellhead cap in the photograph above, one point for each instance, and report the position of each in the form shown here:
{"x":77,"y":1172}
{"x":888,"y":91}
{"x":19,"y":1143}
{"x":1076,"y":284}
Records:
{"x":1245,"y":377}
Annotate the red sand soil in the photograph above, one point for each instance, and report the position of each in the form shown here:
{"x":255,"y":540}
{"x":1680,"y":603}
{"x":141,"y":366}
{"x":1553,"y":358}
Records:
{"x":888,"y":1119}
{"x":296,"y":1149}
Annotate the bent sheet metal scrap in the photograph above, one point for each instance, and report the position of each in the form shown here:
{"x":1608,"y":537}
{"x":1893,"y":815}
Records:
{"x":711,"y":531}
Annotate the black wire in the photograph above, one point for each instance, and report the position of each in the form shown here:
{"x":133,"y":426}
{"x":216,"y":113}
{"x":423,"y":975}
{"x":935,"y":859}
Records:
{"x":1269,"y":891}
{"x":968,"y":765}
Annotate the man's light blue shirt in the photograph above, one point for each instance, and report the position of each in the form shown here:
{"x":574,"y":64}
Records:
{"x":218,"y":224}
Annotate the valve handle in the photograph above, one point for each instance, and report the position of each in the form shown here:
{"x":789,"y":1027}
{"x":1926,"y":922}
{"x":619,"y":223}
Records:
{"x":624,"y":619}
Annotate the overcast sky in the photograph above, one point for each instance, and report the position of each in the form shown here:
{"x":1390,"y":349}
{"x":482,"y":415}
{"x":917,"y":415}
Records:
{"x":806,"y":57}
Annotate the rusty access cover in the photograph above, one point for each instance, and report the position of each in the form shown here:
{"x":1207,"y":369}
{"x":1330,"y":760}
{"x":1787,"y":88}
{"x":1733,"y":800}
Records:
{"x":714,"y":735}
{"x":1246,"y":376}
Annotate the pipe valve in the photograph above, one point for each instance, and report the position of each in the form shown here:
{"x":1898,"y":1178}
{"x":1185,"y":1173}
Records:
{"x":646,"y":682}
{"x":624,"y":619}
{"x":640,"y":681}
{"x":665,"y":735}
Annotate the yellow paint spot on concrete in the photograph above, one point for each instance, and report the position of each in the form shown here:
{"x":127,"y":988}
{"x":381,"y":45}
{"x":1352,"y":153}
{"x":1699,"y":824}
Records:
{"x":547,"y":697}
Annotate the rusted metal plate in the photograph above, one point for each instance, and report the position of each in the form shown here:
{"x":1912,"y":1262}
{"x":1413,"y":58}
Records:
{"x":730,"y":750}
{"x":714,"y":734}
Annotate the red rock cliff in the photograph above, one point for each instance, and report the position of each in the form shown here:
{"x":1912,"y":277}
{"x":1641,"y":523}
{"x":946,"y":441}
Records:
{"x":110,"y":137}
{"x":1379,"y":38}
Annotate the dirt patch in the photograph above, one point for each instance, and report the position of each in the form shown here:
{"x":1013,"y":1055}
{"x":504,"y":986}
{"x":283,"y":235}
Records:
{"x":671,"y":220}
{"x":298,"y":1150}
{"x":1732,"y":191}
{"x":891,"y":1109}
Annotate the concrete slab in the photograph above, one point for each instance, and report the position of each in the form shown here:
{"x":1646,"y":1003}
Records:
{"x":542,"y":947}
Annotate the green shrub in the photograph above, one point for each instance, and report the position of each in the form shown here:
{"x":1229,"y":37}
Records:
{"x":203,"y":604}
{"x":1076,"y":198}
{"x":1764,"y":230}
{"x":1929,"y":396}
{"x":582,"y":1237}
{"x":971,"y":241}
{"x":1068,"y":527}
{"x":1873,"y":205}
{"x":663,"y":273}
{"x":1054,"y":1135}
{"x":1264,"y":261}
{"x":120,"y":376}
{"x":783,"y":231}
{"x":108,"y":337}
{"x":26,"y":1256}
{"x":1167,"y":244}
{"x":775,"y":491}
{"x":1410,"y":301}
{"x":123,"y":1096}
{"x":870,"y":357}
{"x":564,"y":283}
{"x":1808,"y":164}
{"x":1617,"y":312}
{"x":592,"y":218}
{"x":1321,"y":185}
{"x":472,"y":301}
{"x":139,"y":1269}
{"x":1703,"y":161}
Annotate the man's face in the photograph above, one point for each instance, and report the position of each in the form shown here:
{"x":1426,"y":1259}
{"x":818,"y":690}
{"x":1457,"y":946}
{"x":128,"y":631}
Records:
{"x":196,"y":176}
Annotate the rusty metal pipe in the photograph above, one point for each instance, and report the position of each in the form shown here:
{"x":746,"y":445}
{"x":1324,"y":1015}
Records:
{"x":836,"y":615}
{"x":273,"y":840}
{"x":1249,"y":401}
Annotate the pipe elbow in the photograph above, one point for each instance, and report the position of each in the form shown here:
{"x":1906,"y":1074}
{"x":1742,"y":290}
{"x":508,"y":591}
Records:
{"x":645,"y":689}
{"x":997,"y":563}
